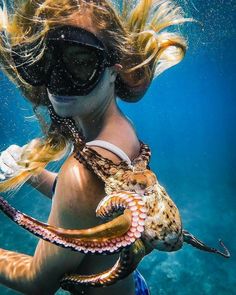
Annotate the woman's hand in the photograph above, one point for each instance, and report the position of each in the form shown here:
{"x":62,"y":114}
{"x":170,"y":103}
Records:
{"x":8,"y":161}
{"x":9,"y":167}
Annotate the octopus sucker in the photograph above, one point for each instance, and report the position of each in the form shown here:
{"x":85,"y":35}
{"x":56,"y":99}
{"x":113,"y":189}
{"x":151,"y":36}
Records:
{"x":85,"y":240}
{"x":149,"y":218}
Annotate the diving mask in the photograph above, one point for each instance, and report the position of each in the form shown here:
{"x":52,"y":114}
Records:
{"x":73,"y":62}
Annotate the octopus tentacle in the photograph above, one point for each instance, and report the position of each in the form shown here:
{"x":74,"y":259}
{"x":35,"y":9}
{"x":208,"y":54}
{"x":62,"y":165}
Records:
{"x":95,"y":162}
{"x":192,"y":240}
{"x":106,"y":238}
{"x":128,"y":260}
{"x":104,"y":167}
{"x":114,"y":228}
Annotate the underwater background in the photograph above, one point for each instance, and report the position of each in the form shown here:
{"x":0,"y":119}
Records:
{"x":188,"y":117}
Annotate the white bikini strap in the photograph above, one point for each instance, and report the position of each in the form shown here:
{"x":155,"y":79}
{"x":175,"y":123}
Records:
{"x":110,"y":147}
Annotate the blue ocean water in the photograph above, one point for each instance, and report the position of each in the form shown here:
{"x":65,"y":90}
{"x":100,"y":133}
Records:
{"x":188,"y":117}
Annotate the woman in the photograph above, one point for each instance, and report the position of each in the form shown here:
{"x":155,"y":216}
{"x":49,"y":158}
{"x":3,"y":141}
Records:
{"x":137,"y":51}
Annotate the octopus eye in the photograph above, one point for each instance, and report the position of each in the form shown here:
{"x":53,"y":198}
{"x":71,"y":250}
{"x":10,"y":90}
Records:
{"x":142,"y":185}
{"x":134,"y":181}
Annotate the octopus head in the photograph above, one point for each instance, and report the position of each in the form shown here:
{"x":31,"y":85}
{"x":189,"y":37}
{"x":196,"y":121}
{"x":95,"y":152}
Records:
{"x":141,"y":181}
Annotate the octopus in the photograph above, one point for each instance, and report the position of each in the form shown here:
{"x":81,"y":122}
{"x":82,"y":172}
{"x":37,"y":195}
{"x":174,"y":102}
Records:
{"x":138,"y":214}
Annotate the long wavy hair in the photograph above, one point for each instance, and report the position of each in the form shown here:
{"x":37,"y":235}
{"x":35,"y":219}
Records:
{"x":134,"y":30}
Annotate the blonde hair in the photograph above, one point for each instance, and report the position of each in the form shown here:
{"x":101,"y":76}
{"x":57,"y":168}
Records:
{"x":135,"y":31}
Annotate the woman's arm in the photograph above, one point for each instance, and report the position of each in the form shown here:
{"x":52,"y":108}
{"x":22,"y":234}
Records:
{"x":9,"y":167}
{"x":45,"y":181}
{"x":40,"y":274}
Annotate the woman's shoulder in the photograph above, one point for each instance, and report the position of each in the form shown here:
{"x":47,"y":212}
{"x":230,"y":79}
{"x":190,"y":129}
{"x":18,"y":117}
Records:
{"x":123,"y":136}
{"x":123,"y":139}
{"x":79,"y":190}
{"x":77,"y":177}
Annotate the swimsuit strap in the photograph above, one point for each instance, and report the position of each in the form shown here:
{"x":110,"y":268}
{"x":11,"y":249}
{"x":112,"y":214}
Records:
{"x":110,"y":147}
{"x":104,"y":167}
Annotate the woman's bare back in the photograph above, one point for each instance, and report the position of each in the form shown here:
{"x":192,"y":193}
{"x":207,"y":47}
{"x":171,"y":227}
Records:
{"x":77,"y":195}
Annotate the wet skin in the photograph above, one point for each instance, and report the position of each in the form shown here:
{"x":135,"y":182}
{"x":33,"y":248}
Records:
{"x":77,"y":194}
{"x":99,"y":116}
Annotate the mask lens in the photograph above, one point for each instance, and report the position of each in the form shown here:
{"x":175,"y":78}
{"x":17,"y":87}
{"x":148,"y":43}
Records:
{"x":35,"y":70}
{"x":82,"y":62}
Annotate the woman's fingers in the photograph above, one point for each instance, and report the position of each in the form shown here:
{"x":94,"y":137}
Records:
{"x":4,"y":168}
{"x":8,"y":161}
{"x":15,"y":151}
{"x":2,"y":177}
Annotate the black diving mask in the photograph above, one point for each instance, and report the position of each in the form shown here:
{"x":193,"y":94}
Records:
{"x":73,"y":62}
